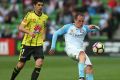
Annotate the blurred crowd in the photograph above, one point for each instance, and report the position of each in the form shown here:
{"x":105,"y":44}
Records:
{"x":105,"y":13}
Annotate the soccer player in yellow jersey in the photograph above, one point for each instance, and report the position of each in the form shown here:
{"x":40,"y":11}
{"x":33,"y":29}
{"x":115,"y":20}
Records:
{"x":33,"y":26}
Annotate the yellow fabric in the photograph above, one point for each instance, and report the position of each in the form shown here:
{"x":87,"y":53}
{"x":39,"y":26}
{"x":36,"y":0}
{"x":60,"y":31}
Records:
{"x":21,"y":52}
{"x":30,"y":21}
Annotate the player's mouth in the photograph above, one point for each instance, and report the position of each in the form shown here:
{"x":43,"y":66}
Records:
{"x":81,"y":25}
{"x":40,"y":10}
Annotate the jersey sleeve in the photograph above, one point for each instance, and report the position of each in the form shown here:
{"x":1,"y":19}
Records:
{"x":61,"y":31}
{"x":90,"y":30}
{"x":26,"y":19}
{"x":46,"y":19}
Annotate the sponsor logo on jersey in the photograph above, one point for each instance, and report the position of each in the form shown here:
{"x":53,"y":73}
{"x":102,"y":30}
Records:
{"x":75,"y":33}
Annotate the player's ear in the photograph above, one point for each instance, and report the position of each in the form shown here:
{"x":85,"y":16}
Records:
{"x":74,"y":20}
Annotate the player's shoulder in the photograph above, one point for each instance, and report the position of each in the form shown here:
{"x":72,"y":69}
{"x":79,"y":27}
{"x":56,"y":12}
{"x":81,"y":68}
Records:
{"x":29,"y":14}
{"x":32,"y":13}
{"x":85,"y":26}
{"x":68,"y":25}
{"x":44,"y":15}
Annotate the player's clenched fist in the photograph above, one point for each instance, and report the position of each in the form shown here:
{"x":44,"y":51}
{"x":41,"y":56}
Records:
{"x":32,"y":34}
{"x":51,"y":51}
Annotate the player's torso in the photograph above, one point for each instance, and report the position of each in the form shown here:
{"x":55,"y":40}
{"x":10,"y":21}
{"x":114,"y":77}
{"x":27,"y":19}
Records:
{"x":37,"y":25}
{"x":75,"y":36}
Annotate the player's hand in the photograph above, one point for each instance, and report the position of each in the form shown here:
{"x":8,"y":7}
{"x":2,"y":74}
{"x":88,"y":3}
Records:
{"x":32,"y":34}
{"x":94,"y":27}
{"x":51,"y":52}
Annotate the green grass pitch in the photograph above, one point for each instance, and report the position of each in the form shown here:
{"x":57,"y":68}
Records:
{"x":61,"y":68}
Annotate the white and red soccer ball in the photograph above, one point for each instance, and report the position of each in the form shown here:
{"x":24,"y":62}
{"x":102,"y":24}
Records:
{"x":98,"y":48}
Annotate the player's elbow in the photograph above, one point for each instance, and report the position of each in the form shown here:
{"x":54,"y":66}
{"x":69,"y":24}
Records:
{"x":57,"y":33}
{"x":20,"y":28}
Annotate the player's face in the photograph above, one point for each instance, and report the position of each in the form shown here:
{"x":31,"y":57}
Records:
{"x":79,"y":21}
{"x":38,"y":7}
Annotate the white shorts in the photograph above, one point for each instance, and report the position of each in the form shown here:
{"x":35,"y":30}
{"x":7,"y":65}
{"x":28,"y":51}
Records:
{"x":74,"y":54}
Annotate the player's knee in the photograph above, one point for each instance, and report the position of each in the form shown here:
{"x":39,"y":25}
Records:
{"x":89,"y":69}
{"x":38,"y":63}
{"x":20,"y":64}
{"x":82,"y":56}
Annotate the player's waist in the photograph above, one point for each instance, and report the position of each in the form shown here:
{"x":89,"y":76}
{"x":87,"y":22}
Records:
{"x":73,"y":49}
{"x":32,"y":43}
{"x":74,"y":45}
{"x":28,"y":44}
{"x":31,"y":46}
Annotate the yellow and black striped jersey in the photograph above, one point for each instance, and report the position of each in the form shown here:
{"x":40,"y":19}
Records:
{"x":36,"y":24}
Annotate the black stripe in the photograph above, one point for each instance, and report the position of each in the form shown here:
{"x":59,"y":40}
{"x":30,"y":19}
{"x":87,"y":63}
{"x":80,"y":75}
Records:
{"x":31,"y":41}
{"x":26,"y":38}
{"x":37,"y":39}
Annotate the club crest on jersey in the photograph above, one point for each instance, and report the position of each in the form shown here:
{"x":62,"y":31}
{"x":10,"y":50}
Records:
{"x":82,"y":31}
{"x":33,"y":20}
{"x":72,"y":31}
{"x":37,"y":29}
{"x":76,"y":33}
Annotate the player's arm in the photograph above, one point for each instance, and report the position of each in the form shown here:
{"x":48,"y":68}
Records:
{"x":59,"y":32}
{"x":22,"y":29}
{"x":24,"y":22}
{"x":93,"y":28}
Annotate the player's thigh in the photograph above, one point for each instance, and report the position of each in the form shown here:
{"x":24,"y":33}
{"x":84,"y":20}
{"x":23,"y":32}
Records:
{"x":73,"y":53}
{"x":38,"y":53}
{"x":25,"y":53}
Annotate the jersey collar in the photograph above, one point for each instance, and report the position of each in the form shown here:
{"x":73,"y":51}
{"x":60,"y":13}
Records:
{"x":38,"y":15}
{"x":77,"y":27}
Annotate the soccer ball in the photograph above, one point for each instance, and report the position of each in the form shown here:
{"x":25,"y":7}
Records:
{"x":98,"y":48}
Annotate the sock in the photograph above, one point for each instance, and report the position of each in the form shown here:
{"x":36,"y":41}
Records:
{"x":82,"y":78}
{"x":89,"y":77}
{"x":15,"y":73}
{"x":35,"y":73}
{"x":81,"y":69}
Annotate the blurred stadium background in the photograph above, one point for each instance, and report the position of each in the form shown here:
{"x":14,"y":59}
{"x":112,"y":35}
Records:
{"x":105,"y":13}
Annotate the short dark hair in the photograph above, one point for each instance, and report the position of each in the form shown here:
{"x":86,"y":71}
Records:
{"x":78,"y":14}
{"x":36,"y":1}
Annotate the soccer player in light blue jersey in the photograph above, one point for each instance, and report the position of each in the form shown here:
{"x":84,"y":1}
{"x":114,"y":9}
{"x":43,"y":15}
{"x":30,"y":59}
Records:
{"x":74,"y":34}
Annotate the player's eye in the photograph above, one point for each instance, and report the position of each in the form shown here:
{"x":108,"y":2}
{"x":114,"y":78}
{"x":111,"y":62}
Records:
{"x":81,"y":21}
{"x":40,"y":4}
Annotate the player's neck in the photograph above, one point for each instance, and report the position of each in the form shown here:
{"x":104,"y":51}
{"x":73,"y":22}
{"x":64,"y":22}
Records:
{"x":77,"y":26}
{"x":38,"y":13}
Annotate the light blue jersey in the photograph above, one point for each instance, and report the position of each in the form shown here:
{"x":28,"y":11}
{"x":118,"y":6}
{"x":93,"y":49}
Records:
{"x":74,"y":37}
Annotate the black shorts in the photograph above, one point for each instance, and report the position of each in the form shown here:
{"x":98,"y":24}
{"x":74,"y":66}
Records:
{"x":27,"y":51}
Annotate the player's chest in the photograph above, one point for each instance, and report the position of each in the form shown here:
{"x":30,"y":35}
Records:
{"x":37,"y":21}
{"x":37,"y":24}
{"x":75,"y":32}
